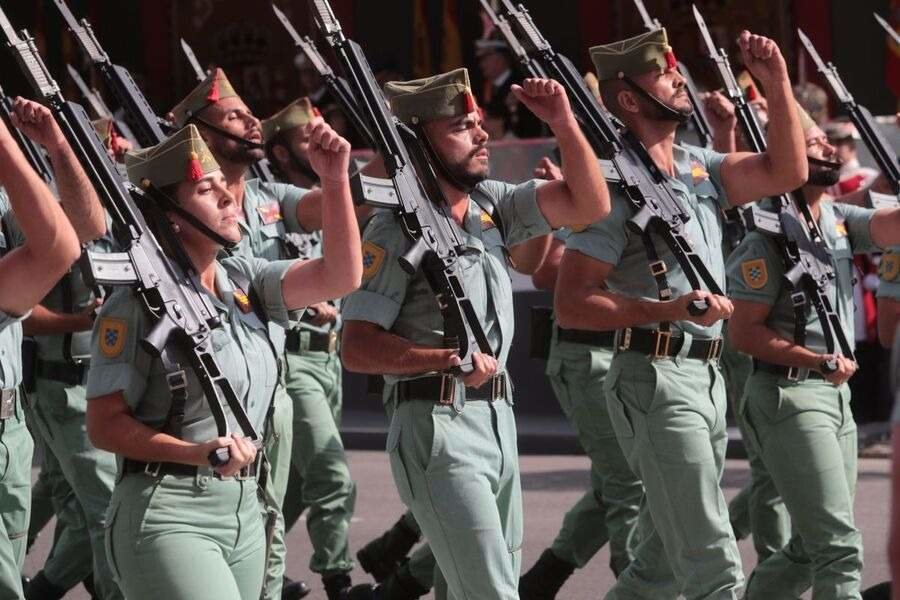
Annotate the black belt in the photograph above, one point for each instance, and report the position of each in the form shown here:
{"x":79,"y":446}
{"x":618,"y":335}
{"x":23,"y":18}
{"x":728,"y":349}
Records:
{"x":157,"y":469}
{"x":318,"y":342}
{"x":61,"y":372}
{"x":662,"y":344}
{"x":7,"y":403}
{"x":441,"y":389}
{"x":791,"y":373}
{"x":603,"y":339}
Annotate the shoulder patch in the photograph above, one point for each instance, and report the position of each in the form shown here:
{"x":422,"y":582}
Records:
{"x":270,"y":212}
{"x":754,"y":272}
{"x":112,"y":336}
{"x":373,"y":256}
{"x":889,"y":268}
{"x":840,"y":227}
{"x":579,"y":228}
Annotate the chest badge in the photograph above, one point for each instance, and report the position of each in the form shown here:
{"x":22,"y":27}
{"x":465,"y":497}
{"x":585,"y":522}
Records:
{"x":242,"y":301}
{"x":754,"y":273}
{"x":487,"y":222}
{"x":373,"y":256}
{"x":112,"y":336}
{"x":270,"y":212}
{"x":699,"y":173}
{"x":840,"y":228}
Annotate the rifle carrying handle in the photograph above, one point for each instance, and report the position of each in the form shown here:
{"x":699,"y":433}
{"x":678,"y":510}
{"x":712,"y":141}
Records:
{"x":697,"y":308}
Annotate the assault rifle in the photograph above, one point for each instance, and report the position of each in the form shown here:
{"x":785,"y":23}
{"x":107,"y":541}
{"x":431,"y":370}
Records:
{"x":806,"y":256}
{"x":881,"y":150}
{"x":698,"y":117}
{"x":412,"y":189}
{"x":182,"y":313}
{"x":99,"y":106}
{"x":337,"y":86}
{"x":34,"y":153}
{"x":657,"y":207}
{"x":147,"y":127}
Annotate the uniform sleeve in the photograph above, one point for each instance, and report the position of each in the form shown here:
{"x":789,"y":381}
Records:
{"x":383,"y":289}
{"x":118,"y":363}
{"x":857,"y":221}
{"x":604,"y":240}
{"x":267,"y":278}
{"x":290,"y":197}
{"x":753,"y":271}
{"x":889,"y":274}
{"x":518,"y":208}
{"x":712,"y":161}
{"x":7,"y":319}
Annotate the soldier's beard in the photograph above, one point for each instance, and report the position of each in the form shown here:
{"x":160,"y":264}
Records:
{"x":823,"y":177}
{"x":238,"y":153}
{"x":468,"y":177}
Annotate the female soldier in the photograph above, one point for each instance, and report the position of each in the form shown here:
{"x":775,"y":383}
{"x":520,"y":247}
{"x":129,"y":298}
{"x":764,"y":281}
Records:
{"x":178,"y":527}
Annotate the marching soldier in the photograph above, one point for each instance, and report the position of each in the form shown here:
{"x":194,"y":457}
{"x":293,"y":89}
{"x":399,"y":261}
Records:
{"x":455,"y":464}
{"x":178,"y":527}
{"x":664,"y":391}
{"x":48,"y":248}
{"x":269,"y":213}
{"x":798,"y":412}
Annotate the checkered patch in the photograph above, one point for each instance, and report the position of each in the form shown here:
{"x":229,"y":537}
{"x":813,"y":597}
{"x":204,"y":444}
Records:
{"x":112,"y":336}
{"x":373,"y":256}
{"x":754,"y":272}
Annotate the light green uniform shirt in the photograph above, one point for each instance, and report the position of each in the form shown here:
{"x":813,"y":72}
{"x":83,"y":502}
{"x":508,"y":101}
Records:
{"x":240,"y":345}
{"x":756,"y":271}
{"x":10,"y":326}
{"x":698,"y":184}
{"x":405,"y":305}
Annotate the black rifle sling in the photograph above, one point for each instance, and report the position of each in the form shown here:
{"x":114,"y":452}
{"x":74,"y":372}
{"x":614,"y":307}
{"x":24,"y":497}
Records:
{"x":658,"y":271}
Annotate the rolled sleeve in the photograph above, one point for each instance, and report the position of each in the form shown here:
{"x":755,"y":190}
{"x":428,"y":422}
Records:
{"x":289,"y":212}
{"x":712,"y":162}
{"x":604,"y":240}
{"x":753,"y":272}
{"x":116,"y":367}
{"x":7,"y":319}
{"x":518,"y":207}
{"x":858,"y":222}
{"x":364,"y":305}
{"x":268,"y":281}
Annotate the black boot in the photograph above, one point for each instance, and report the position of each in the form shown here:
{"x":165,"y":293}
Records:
{"x":380,"y":557}
{"x":293,"y":590}
{"x":41,"y":589}
{"x":545,"y":578}
{"x":401,"y":585}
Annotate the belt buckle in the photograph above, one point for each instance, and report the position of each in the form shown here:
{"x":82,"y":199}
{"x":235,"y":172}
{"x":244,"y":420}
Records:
{"x":663,"y":341}
{"x":498,"y":388}
{"x":243,"y":474}
{"x":715,"y":350}
{"x":332,"y":341}
{"x":448,"y":389}
{"x":796,"y":374}
{"x":152,"y":469}
{"x":624,"y":339}
{"x":7,"y":403}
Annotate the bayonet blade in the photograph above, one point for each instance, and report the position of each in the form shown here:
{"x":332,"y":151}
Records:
{"x":887,"y":27}
{"x":93,"y":98}
{"x":828,"y":71}
{"x":192,"y":60}
{"x":704,"y":31}
{"x":305,"y":43}
{"x":649,"y":22}
{"x":83,"y":33}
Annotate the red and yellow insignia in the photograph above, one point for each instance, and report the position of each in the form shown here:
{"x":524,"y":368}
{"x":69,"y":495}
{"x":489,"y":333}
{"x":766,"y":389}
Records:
{"x":698,"y":172}
{"x":841,"y":228}
{"x":579,"y":228}
{"x":487,"y":222}
{"x":889,"y":269}
{"x":111,"y":336}
{"x":242,"y":301}
{"x":269,"y":212}
{"x":754,"y":272}
{"x":373,"y":256}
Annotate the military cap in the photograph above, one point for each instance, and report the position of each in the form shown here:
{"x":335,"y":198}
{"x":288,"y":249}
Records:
{"x":209,"y":91}
{"x":637,"y":55}
{"x":182,"y":157}
{"x":841,"y":131}
{"x":439,"y":97}
{"x":297,"y":113}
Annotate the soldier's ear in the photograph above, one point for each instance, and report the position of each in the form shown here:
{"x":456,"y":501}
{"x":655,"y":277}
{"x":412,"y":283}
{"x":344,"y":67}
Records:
{"x":281,"y":154}
{"x":627,"y":101}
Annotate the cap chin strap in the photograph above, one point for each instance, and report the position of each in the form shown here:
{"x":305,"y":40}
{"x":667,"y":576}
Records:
{"x":667,"y":111}
{"x":439,"y":164}
{"x":821,"y":162}
{"x":193,"y":118}
{"x":168,"y":203}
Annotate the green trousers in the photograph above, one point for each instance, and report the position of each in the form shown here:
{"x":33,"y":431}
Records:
{"x":320,"y":477}
{"x":59,"y":410}
{"x":459,"y":474}
{"x":184,"y":538}
{"x":279,"y":439}
{"x":806,"y":436}
{"x":16,"y":448}
{"x":669,"y":417}
{"x":609,"y":510}
{"x":758,"y":509}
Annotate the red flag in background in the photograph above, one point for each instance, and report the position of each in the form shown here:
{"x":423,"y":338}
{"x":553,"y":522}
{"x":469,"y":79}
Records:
{"x":451,"y":51}
{"x":421,"y":62}
{"x":892,"y":63}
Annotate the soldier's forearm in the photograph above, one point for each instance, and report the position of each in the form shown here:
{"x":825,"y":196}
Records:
{"x":786,"y":146}
{"x":725,"y":140}
{"x":44,"y":321}
{"x":601,"y":310}
{"x":78,"y":197}
{"x":760,"y":341}
{"x":588,"y":196}
{"x":383,"y":353}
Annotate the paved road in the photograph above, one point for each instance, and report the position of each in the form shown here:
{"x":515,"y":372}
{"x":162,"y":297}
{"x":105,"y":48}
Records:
{"x":552,"y":484}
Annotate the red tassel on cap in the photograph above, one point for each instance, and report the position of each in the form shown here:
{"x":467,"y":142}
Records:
{"x":671,"y":61}
{"x":751,"y":92}
{"x":213,"y":94}
{"x":316,"y":112}
{"x":470,"y":103}
{"x":195,"y":169}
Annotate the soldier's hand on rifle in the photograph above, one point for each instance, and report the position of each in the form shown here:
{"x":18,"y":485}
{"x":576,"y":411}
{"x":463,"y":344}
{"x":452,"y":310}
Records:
{"x":762,"y":57}
{"x":547,"y":169}
{"x":719,"y":307}
{"x":547,"y":99}
{"x":719,"y":112}
{"x":845,"y":369}
{"x":329,"y":153}
{"x":241,"y":450}
{"x":36,"y":121}
{"x":485,"y":367}
{"x":324,"y":313}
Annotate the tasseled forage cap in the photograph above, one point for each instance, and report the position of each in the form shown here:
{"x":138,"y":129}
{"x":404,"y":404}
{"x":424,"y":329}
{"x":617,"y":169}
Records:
{"x":296,"y":114}
{"x":442,"y":96}
{"x":182,"y":157}
{"x":209,"y":91}
{"x":637,"y":55}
